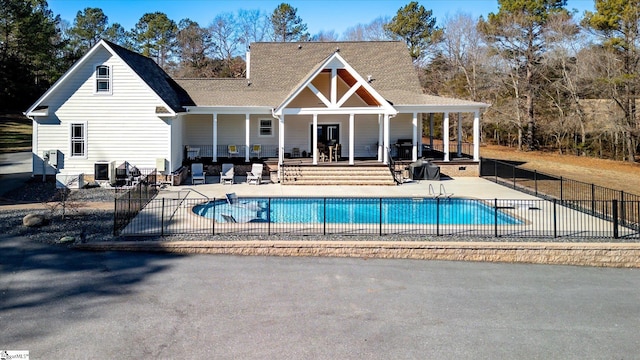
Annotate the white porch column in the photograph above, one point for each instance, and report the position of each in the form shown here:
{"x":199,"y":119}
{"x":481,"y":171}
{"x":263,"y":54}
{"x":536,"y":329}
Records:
{"x":445,"y":136}
{"x":459,"y":147}
{"x":414,"y":140}
{"x":247,"y":138}
{"x":385,"y":150}
{"x":315,"y":139}
{"x":215,"y":137}
{"x":476,"y":136}
{"x":380,"y":139}
{"x":281,"y":139}
{"x":420,"y":134}
{"x":351,"y":137}
{"x":431,"y":131}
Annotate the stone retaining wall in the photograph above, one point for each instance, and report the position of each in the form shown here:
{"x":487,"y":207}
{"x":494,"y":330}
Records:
{"x":584,"y":254}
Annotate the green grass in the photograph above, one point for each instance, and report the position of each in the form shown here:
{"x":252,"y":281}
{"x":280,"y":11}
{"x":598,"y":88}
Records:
{"x":15,"y":133}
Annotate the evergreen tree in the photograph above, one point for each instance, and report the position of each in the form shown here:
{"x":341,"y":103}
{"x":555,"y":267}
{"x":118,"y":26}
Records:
{"x":618,"y":22}
{"x":154,"y":36}
{"x":415,"y":25}
{"x":517,"y":33}
{"x":29,"y":40}
{"x":89,"y":26}
{"x":287,"y":25}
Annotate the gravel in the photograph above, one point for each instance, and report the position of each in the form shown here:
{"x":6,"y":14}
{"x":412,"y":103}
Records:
{"x":82,"y":222}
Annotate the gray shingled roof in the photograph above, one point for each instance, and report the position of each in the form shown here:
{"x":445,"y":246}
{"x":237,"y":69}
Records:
{"x":158,"y":80}
{"x":277,"y":69}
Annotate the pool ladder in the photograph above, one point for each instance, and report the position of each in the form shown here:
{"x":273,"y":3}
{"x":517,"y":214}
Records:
{"x":443,"y":192}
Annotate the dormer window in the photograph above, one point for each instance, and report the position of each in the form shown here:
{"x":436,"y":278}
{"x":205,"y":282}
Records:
{"x":103,"y":79}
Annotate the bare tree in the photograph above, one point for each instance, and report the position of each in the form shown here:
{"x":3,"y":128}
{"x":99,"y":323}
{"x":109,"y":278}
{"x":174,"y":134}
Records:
{"x":463,"y":46}
{"x":226,"y":35}
{"x":254,"y":26}
{"x":374,"y":31}
{"x":325,"y":36}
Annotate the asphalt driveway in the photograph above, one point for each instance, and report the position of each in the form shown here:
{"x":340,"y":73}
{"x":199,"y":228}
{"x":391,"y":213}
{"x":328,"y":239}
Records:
{"x":59,"y":303}
{"x":15,"y":170}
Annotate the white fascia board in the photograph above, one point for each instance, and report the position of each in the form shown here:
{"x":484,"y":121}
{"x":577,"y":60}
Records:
{"x":360,"y":80}
{"x":440,"y":108}
{"x":68,"y":73}
{"x":38,"y":113}
{"x":228,"y":109}
{"x":337,"y":111}
{"x":304,"y":84}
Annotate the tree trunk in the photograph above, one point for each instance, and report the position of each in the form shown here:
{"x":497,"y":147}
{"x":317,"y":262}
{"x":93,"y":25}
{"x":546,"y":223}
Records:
{"x":529,"y":108}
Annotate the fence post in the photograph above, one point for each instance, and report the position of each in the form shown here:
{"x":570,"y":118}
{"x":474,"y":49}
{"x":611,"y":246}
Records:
{"x":269,"y":216}
{"x":555,"y":220}
{"x":324,"y":217}
{"x":380,"y":212}
{"x":495,"y":217}
{"x":514,"y":175}
{"x":438,"y":216}
{"x":561,"y":191}
{"x":213,"y":226}
{"x":535,"y":181}
{"x":162,"y":219}
{"x":495,"y":169}
{"x":614,"y":210}
{"x":623,"y":213}
{"x":593,"y":199}
{"x":115,"y":216}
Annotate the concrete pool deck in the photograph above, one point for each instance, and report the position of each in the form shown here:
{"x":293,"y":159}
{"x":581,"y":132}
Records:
{"x":467,"y":187}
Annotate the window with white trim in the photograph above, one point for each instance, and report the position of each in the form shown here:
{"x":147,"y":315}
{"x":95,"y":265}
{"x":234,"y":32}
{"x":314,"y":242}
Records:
{"x":78,"y":140}
{"x":103,"y":79}
{"x":266,"y":127}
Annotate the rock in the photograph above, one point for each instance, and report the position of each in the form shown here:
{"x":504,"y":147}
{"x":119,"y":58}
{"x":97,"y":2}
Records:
{"x":34,"y":220}
{"x":66,"y":239}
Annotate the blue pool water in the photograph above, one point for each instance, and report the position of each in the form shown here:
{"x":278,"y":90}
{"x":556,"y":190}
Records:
{"x":357,"y":211}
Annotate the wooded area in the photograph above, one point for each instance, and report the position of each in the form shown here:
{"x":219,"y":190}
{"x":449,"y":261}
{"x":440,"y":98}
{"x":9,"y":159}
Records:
{"x":555,"y":79}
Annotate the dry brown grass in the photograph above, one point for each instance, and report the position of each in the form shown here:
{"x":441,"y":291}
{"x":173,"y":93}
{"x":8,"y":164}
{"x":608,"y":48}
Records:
{"x":15,"y":133}
{"x":616,"y":175}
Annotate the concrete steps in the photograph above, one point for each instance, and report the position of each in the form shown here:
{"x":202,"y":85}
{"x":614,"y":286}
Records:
{"x":336,"y":175}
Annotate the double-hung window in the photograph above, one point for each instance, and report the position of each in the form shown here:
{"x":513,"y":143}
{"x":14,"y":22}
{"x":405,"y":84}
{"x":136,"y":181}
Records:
{"x":103,"y":79}
{"x":266,"y":127}
{"x":78,"y":140}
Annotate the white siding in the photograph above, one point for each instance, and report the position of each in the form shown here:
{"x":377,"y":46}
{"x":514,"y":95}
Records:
{"x":120,"y":127}
{"x":401,"y":128}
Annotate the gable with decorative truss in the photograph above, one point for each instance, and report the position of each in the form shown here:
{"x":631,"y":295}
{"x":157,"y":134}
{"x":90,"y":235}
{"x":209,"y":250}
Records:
{"x":332,"y":86}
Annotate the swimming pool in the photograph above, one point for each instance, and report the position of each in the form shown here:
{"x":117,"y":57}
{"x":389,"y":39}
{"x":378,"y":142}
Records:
{"x":419,"y":211}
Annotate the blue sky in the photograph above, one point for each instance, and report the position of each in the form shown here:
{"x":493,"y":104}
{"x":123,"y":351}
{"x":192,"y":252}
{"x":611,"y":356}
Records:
{"x":319,"y":15}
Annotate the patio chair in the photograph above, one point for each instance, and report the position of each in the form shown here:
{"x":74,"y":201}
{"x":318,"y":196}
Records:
{"x":226,"y":175}
{"x":232,"y":150}
{"x":255,"y":175}
{"x":295,"y":152}
{"x":197,"y":174}
{"x":256,"y":149}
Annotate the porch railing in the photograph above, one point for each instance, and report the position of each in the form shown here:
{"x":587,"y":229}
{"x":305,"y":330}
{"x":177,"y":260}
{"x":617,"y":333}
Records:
{"x":196,"y":151}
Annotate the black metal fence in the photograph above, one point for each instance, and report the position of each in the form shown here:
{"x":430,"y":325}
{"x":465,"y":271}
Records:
{"x":130,"y":201}
{"x":589,"y":198}
{"x":456,"y":149}
{"x":406,"y":217}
